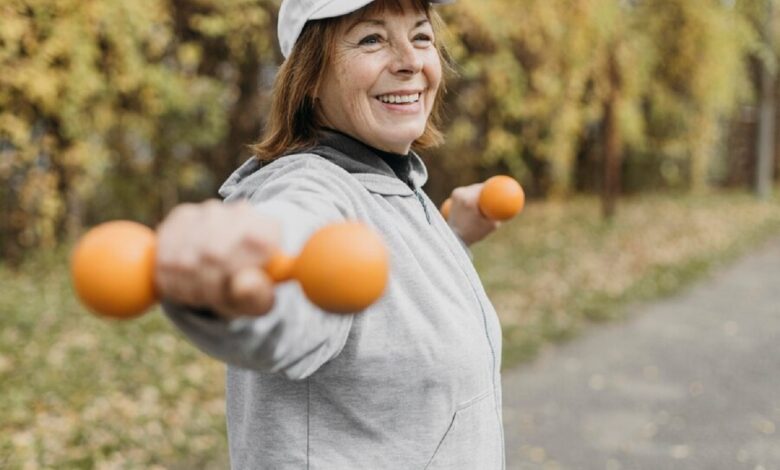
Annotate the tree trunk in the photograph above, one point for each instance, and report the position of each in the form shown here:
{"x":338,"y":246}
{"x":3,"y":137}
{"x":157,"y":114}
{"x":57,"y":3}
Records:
{"x":765,"y":139}
{"x":612,"y":143}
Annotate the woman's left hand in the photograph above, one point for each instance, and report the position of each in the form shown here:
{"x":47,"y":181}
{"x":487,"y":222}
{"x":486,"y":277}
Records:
{"x":465,"y":218}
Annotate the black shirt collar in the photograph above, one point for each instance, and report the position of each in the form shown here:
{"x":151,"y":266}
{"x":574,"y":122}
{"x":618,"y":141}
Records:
{"x":367,"y":159}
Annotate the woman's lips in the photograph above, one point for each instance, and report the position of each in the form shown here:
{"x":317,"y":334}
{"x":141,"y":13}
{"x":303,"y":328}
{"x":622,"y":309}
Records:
{"x":403,"y":101}
{"x":400,"y":98}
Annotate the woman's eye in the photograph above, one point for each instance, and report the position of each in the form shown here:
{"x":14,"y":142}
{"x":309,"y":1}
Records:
{"x":423,"y":38}
{"x":370,"y":40}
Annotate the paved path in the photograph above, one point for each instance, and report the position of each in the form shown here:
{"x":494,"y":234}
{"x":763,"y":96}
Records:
{"x":692,"y":382}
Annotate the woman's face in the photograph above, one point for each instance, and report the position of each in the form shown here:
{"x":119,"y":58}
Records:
{"x":381,"y":85}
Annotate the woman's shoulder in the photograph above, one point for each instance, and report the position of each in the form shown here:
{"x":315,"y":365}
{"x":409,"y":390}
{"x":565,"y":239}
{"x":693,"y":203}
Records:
{"x":299,"y":161}
{"x":255,"y":173}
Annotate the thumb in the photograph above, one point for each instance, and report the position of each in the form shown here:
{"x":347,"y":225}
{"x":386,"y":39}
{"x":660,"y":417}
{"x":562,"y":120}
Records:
{"x":250,"y":292}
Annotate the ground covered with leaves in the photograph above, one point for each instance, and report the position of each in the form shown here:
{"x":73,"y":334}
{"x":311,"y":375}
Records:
{"x":78,"y":392}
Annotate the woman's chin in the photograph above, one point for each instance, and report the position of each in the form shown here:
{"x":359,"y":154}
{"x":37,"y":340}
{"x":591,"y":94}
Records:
{"x":398,"y":141}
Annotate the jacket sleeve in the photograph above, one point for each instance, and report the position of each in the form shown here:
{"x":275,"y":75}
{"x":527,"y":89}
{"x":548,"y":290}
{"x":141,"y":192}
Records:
{"x":295,"y":338}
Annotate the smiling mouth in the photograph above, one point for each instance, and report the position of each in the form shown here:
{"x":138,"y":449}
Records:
{"x":400,"y":99}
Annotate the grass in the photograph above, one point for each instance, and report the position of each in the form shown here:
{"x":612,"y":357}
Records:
{"x":78,"y":392}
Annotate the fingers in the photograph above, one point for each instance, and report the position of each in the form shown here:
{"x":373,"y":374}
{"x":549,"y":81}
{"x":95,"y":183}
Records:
{"x":173,"y":262}
{"x":465,"y":218}
{"x":467,"y":196}
{"x":249,"y":292}
{"x":210,"y":255}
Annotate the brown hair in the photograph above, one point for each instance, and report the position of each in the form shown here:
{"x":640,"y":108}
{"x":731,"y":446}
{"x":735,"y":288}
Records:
{"x":293,"y":122}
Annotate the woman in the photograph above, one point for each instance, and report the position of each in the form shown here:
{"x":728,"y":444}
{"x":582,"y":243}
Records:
{"x":412,"y":382}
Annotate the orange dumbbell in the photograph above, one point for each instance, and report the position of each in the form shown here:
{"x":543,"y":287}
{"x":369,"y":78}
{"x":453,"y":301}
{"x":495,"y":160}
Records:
{"x":343,"y":268}
{"x":501,"y":198}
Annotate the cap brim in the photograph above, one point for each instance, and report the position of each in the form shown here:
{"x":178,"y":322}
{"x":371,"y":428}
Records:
{"x":344,"y":7}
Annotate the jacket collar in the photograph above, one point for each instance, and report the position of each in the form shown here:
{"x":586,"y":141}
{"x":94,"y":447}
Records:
{"x":380,"y":172}
{"x":358,"y":158}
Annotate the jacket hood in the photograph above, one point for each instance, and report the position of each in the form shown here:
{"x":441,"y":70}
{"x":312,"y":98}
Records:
{"x":350,"y":154}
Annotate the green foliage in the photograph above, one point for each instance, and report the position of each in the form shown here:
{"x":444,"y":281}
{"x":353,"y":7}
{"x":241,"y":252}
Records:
{"x":699,"y":75}
{"x":111,"y":107}
{"x":535,"y":80}
{"x":123,"y":109}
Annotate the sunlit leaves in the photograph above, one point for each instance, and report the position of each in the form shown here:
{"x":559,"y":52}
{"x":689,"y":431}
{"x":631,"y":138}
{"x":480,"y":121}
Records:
{"x":97,"y":91}
{"x":540,"y":70}
{"x":117,"y":100}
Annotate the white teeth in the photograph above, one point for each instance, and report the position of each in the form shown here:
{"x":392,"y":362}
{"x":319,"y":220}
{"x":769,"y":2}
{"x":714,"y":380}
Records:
{"x":399,"y":99}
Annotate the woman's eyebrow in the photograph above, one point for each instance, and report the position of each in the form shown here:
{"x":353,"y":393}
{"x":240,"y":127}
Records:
{"x":375,"y":22}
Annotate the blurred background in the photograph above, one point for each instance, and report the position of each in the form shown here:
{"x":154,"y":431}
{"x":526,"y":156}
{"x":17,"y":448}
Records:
{"x":112,"y":108}
{"x":642,"y":131}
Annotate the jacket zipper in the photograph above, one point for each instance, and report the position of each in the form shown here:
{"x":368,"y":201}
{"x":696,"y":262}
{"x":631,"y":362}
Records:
{"x":476,"y":296}
{"x":422,"y":203}
{"x":484,"y":320}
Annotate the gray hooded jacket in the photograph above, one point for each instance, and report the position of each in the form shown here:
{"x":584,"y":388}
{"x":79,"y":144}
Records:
{"x":411,"y":383}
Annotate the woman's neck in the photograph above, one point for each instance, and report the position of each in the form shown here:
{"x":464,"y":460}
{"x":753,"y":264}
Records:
{"x":382,"y":152}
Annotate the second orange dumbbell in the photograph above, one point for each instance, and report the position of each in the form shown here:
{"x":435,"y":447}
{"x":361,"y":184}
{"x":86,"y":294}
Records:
{"x":501,"y":199}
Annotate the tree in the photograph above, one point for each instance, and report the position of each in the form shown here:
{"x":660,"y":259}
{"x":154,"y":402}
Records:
{"x":766,"y":125}
{"x":111,"y":108}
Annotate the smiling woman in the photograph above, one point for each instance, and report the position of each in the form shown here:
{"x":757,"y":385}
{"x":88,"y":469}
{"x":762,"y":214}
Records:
{"x":382,"y":82}
{"x":414,"y":380}
{"x":334,"y":57}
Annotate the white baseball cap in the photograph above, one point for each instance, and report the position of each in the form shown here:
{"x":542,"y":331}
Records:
{"x":294,"y":14}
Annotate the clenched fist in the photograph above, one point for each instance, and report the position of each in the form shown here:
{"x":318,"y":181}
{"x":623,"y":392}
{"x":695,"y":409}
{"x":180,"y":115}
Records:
{"x":211,"y":255}
{"x":465,"y":217}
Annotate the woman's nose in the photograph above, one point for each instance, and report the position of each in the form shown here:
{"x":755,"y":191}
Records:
{"x":407,"y":60}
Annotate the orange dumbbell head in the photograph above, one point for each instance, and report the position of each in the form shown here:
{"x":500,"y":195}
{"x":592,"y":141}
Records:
{"x":112,"y":268}
{"x":445,"y":208}
{"x":501,"y":198}
{"x":343,"y":268}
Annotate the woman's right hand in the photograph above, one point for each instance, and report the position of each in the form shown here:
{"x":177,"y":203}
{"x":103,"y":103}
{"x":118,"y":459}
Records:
{"x":211,"y":255}
{"x":465,"y":217}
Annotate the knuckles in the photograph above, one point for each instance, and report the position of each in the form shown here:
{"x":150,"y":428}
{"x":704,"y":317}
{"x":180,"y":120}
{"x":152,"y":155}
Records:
{"x":459,"y":194}
{"x":182,"y":212}
{"x":467,"y":195}
{"x":198,"y":243}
